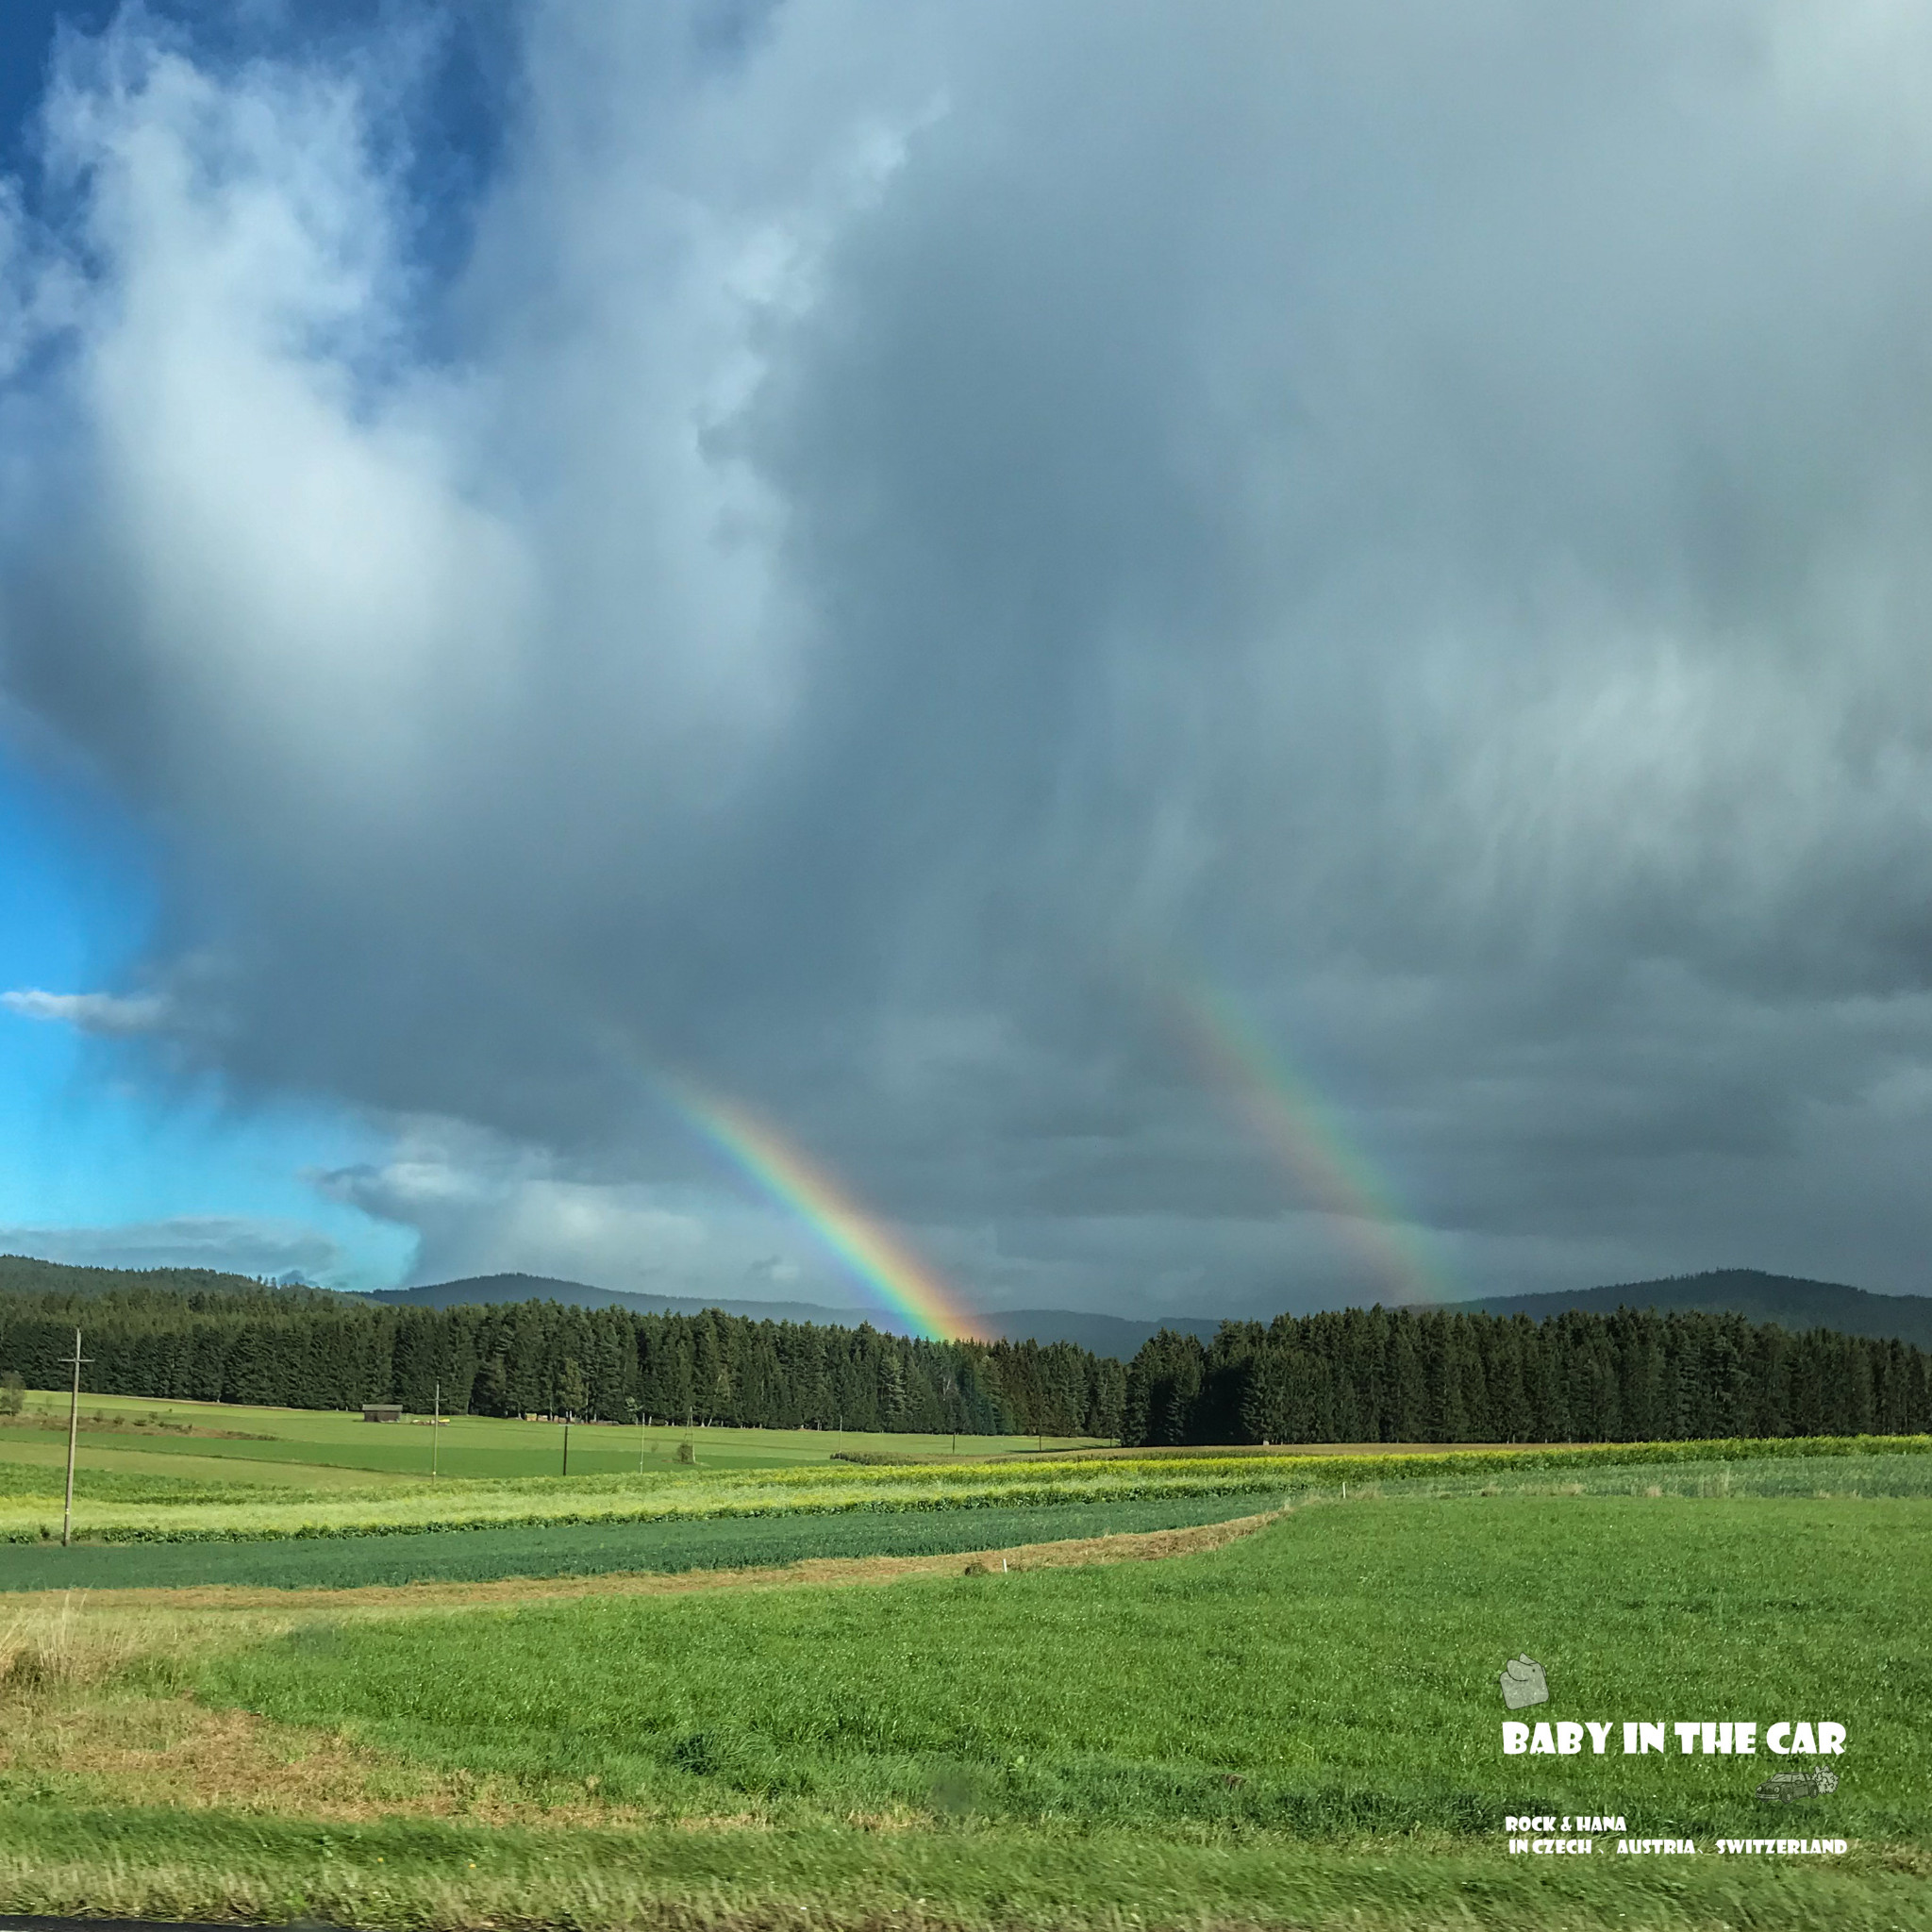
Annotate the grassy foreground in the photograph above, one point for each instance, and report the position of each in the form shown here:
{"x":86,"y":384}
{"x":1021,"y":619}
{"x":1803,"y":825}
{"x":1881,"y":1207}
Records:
{"x":1298,"y":1729}
{"x":1331,"y":1677}
{"x":406,"y":1874}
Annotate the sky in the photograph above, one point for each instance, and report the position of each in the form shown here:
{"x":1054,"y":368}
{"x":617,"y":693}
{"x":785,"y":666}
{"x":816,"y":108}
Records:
{"x":1159,"y":660}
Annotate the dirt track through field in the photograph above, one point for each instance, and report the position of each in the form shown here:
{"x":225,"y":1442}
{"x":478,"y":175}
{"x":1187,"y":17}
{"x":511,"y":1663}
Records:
{"x":1137,"y":1547}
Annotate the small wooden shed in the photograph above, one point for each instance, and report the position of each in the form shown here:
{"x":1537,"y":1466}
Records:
{"x":382,"y":1411}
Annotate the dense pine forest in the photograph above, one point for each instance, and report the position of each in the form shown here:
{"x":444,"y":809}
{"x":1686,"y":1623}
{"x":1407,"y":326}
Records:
{"x":1404,"y":1376}
{"x":1364,"y":1375}
{"x":304,"y":1349}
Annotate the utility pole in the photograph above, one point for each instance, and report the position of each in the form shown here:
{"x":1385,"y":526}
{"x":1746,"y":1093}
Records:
{"x":73,"y":1441}
{"x":642,"y":1424}
{"x":566,"y":1441}
{"x":435,"y":1423}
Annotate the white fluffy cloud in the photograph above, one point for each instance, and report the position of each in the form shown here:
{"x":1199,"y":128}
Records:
{"x":89,"y":1012}
{"x":479,"y":1205}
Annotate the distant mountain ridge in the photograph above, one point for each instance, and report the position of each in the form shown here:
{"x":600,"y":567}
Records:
{"x":1792,"y":1301}
{"x":486,"y":1289}
{"x":29,"y":1274}
{"x":1109,"y":1335}
{"x":1788,"y":1300}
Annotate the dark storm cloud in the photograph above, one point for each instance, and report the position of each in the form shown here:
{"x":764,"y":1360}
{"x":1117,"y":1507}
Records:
{"x":945,"y":524}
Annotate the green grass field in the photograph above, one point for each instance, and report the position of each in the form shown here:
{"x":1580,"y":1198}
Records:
{"x":402,"y":1873}
{"x":698,"y":1492}
{"x":201,"y":1470}
{"x":1332,"y":1676}
{"x":659,"y":1495}
{"x":1301,"y":1729}
{"x":291,"y":1443}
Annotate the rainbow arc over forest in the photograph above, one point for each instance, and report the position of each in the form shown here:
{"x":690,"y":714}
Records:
{"x":897,"y":1278}
{"x":1293,"y":1120}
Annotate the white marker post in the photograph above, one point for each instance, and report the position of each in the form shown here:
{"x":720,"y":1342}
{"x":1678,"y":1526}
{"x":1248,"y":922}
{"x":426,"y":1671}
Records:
{"x":72,"y":1442}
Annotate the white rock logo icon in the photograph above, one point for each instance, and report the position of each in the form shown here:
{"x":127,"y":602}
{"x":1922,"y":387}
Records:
{"x":1524,"y":1683}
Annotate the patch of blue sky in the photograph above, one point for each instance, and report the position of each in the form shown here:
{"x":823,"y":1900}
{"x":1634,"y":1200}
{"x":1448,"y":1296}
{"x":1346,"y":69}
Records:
{"x":76,"y":897}
{"x":86,"y":1145}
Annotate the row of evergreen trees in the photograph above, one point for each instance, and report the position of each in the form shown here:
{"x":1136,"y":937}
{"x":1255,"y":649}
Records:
{"x":1400,"y":1376}
{"x":1361,"y":1375}
{"x":303,"y":1350}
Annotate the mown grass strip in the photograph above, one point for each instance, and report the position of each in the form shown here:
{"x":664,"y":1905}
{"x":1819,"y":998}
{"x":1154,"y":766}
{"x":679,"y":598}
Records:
{"x":437,"y":1876}
{"x":480,"y":1555}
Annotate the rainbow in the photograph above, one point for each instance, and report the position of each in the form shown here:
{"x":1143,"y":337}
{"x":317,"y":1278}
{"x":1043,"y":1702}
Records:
{"x":898,"y":1280}
{"x":1291,"y":1118}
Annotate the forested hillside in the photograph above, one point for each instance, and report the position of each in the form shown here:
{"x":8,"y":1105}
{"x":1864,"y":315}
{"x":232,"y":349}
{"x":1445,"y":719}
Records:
{"x":1368,"y":1375}
{"x":1397,"y":1376}
{"x":1788,"y":1300}
{"x":305,"y":1350}
{"x":29,"y":1274}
